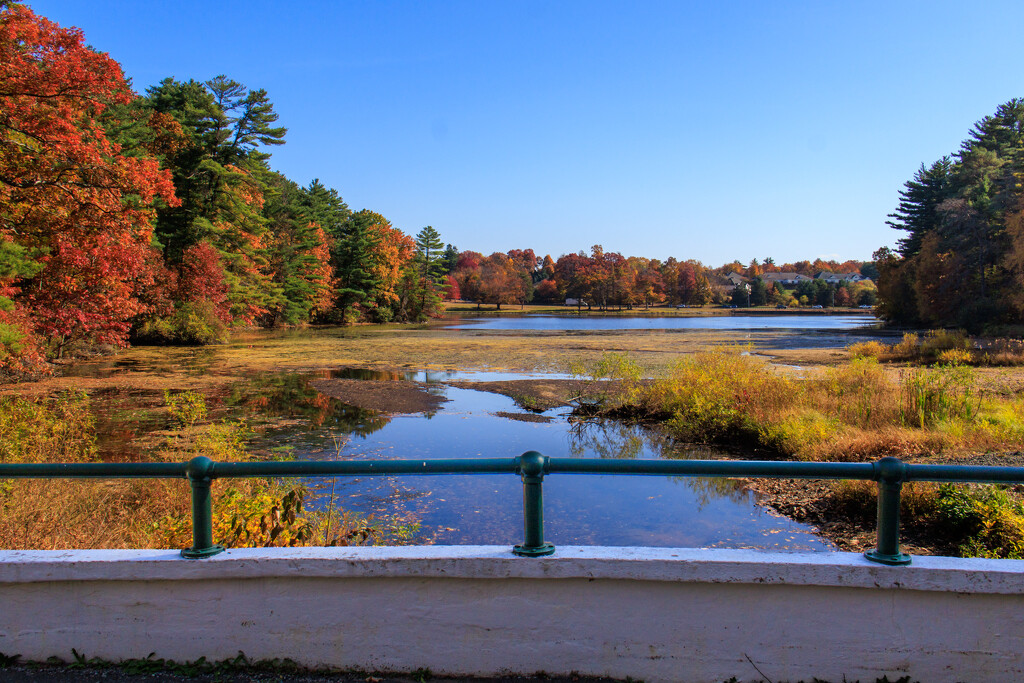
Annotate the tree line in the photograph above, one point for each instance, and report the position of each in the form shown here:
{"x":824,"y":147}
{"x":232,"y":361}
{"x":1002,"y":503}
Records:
{"x":604,"y":280}
{"x":961,"y":260}
{"x":157,"y":218}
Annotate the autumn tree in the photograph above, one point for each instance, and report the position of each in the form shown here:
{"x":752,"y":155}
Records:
{"x":574,"y":277}
{"x":499,"y":281}
{"x":75,"y":206}
{"x":525,"y":264}
{"x":467,"y":275}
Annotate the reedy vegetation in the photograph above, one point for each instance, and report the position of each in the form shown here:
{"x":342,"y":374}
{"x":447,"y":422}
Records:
{"x":154,"y":513}
{"x":854,"y":412}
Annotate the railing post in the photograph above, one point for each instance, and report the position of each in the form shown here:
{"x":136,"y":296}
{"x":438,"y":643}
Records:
{"x":531,"y":466}
{"x":199,"y":471}
{"x":890,"y":483}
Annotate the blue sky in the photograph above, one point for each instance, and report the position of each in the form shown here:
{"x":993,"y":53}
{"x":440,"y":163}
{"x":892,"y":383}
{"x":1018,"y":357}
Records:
{"x":707,"y":130}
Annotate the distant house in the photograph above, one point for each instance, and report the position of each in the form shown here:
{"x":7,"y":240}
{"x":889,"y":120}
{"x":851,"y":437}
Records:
{"x":789,"y":279}
{"x":836,"y":278}
{"x":735,"y":279}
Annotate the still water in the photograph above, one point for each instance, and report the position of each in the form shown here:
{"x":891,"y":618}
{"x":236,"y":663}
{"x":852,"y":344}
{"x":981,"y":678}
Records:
{"x":487,"y":509}
{"x":722,"y":322}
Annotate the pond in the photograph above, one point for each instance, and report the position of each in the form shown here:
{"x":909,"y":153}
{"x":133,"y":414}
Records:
{"x":716,"y":322}
{"x":264,"y":377}
{"x":487,"y":509}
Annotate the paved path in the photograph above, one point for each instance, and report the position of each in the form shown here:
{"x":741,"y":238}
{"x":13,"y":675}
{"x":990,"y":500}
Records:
{"x":114,"y":674}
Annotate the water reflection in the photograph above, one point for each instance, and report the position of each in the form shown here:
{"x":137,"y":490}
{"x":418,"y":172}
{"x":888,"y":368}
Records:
{"x":579,"y":509}
{"x":472,"y":509}
{"x":612,"y":440}
{"x":288,"y":397}
{"x":712,"y":322}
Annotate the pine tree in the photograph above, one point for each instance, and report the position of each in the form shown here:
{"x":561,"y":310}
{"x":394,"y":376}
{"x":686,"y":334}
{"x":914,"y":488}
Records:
{"x":357,"y":281}
{"x":918,"y":211}
{"x":429,"y":253}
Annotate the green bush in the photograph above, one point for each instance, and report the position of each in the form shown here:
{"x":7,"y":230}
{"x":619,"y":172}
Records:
{"x":185,"y":408}
{"x":989,"y":522}
{"x":193,"y":323}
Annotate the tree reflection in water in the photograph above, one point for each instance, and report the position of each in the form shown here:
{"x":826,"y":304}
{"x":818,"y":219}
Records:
{"x":608,"y":439}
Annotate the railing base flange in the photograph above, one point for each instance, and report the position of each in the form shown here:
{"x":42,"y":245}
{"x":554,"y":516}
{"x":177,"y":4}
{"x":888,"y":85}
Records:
{"x":883,"y":558}
{"x":193,"y":554}
{"x":537,"y":551}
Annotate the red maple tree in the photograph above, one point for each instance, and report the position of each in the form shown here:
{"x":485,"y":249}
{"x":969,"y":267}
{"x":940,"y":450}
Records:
{"x":76,"y":207}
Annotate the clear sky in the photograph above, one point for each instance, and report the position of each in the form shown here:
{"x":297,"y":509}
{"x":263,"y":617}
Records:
{"x":707,"y":130}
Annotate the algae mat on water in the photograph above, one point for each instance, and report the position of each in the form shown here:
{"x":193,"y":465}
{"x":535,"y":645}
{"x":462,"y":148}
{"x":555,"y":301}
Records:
{"x":420,"y":348}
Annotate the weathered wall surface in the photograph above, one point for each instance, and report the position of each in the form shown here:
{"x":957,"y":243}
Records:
{"x":653,"y":614}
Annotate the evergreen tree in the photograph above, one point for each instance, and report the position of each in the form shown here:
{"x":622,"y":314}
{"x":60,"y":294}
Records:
{"x":959,"y":266}
{"x":357,"y":281}
{"x":219,"y":175}
{"x":324,"y":206}
{"x":450,"y":259}
{"x":918,"y":211}
{"x":429,"y":253}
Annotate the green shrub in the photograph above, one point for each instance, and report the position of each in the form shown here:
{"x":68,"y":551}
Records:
{"x":193,"y":323}
{"x":185,"y":408}
{"x":987,"y":519}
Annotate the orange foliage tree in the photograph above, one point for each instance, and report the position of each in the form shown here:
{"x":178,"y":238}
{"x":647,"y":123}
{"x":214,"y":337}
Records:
{"x":75,"y":209}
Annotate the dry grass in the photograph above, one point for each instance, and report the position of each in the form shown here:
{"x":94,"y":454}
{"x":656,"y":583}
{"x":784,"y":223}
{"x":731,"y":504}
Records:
{"x":148,"y":513}
{"x":944,"y":346}
{"x":852,"y":412}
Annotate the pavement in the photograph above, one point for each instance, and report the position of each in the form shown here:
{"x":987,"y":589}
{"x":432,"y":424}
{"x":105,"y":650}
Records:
{"x":47,"y":673}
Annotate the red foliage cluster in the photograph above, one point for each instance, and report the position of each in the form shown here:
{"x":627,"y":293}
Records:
{"x":202,"y":279}
{"x":69,"y":197}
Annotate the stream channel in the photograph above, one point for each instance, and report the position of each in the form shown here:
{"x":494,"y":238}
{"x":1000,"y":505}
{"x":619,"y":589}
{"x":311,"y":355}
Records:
{"x":487,"y":509}
{"x":294,"y":419}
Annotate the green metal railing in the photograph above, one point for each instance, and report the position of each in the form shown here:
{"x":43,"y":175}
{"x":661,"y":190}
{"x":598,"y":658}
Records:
{"x":890,"y":473}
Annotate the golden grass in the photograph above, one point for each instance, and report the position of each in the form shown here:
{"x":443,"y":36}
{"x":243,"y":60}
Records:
{"x":943,"y":346}
{"x":149,"y":513}
{"x":855,"y":411}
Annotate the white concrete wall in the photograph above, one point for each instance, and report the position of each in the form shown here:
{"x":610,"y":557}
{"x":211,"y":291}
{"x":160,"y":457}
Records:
{"x":652,"y":614}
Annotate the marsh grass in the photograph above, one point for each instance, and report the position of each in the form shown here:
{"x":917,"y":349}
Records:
{"x":152,"y":513}
{"x":943,"y":347}
{"x":852,"y":412}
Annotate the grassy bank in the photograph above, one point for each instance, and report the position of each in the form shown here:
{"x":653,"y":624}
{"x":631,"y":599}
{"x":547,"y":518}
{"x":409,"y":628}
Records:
{"x":944,"y":347}
{"x":151,"y":513}
{"x":854,"y":412}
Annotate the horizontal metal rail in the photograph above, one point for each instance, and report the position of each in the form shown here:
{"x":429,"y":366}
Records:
{"x":890,"y":473}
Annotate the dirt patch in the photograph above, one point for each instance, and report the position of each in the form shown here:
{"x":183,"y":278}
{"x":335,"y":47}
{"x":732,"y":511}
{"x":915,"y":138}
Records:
{"x":385,"y":397}
{"x":812,"y":502}
{"x":524,"y":417}
{"x":531,"y":394}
